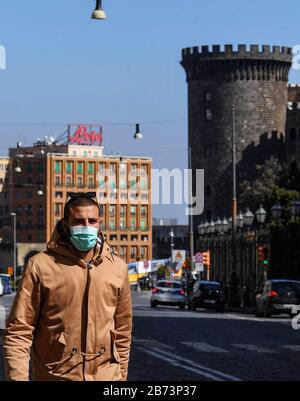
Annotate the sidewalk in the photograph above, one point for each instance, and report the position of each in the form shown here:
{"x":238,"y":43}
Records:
{"x":247,"y":310}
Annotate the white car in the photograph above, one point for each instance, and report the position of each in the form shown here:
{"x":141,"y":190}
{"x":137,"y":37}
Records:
{"x":1,"y":288}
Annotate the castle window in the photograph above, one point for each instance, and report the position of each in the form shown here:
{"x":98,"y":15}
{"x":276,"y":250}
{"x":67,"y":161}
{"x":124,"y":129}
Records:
{"x":292,"y":134}
{"x":208,"y":96}
{"x":208,"y":114}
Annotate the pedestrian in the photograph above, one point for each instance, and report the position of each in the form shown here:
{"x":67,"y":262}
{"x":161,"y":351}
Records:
{"x":73,"y":305}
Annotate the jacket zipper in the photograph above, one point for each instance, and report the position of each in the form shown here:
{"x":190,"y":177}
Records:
{"x":86,"y":307}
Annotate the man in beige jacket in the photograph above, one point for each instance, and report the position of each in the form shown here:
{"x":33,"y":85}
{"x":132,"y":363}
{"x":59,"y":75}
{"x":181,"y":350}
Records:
{"x":73,"y":306}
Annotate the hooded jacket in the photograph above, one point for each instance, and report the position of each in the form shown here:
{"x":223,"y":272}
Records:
{"x":75,"y":316}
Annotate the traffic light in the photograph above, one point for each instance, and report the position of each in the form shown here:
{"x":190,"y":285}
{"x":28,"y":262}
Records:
{"x":263,"y":254}
{"x":206,"y":258}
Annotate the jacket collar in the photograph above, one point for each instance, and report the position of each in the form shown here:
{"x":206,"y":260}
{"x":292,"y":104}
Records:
{"x":59,"y":245}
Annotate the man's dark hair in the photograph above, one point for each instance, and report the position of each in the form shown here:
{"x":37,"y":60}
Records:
{"x":79,"y":201}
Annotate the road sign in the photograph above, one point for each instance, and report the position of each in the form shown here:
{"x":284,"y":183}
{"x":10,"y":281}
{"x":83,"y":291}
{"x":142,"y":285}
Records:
{"x":199,"y":257}
{"x":199,"y":267}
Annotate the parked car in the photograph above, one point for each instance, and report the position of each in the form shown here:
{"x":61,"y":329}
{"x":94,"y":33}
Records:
{"x":208,"y":295}
{"x":168,"y":293}
{"x":277,"y":296}
{"x":1,"y":288}
{"x":5,"y":280}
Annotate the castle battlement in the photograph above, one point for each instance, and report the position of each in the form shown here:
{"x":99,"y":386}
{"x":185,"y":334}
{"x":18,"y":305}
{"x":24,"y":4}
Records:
{"x":241,"y":51}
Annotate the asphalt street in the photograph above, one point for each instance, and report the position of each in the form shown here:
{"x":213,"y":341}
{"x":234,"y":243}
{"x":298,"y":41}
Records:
{"x":181,"y":345}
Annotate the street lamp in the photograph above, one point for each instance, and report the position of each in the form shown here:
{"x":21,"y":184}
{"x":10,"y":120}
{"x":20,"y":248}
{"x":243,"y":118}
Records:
{"x":277,"y":211}
{"x":171,"y":234}
{"x":261,"y":215}
{"x":248,"y":218}
{"x":295,"y":207}
{"x":240,"y":220}
{"x":15,"y":248}
{"x":137,"y":134}
{"x":225,"y":225}
{"x":98,"y":13}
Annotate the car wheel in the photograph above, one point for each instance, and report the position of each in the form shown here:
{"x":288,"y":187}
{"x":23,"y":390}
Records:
{"x":181,"y":306}
{"x":153,"y":304}
{"x":267,"y":312}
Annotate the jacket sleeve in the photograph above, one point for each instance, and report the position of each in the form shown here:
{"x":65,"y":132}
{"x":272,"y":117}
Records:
{"x":20,"y":325}
{"x":123,"y":324}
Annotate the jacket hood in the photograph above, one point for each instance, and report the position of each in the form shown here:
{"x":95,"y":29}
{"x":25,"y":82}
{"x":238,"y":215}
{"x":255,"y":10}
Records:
{"x":59,"y":245}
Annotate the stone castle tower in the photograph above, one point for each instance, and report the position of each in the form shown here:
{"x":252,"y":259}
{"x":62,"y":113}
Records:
{"x":254,"y":80}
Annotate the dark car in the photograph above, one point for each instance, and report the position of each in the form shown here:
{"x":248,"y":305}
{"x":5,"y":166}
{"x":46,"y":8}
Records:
{"x":207,"y":294}
{"x":278,"y":296}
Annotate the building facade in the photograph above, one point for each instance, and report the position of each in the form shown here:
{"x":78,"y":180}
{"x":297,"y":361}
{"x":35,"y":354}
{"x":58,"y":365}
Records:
{"x":254,"y":80}
{"x":43,"y":174}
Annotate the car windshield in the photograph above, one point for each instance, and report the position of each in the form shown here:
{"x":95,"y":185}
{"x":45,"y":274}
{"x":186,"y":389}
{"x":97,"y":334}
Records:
{"x":286,"y":287}
{"x":168,"y":284}
{"x":213,"y":287}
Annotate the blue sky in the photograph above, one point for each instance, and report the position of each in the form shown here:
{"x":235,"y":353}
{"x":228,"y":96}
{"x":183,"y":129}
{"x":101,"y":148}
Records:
{"x":63,"y":67}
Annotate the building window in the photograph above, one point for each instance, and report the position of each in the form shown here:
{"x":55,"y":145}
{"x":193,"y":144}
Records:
{"x":144,"y":169}
{"x":133,"y":252}
{"x":69,"y":183}
{"x":102,"y":195}
{"x":112,"y":183}
{"x":85,"y":153}
{"x":144,"y":197}
{"x":95,"y":154}
{"x":112,"y":211}
{"x":90,"y":168}
{"x":133,"y":211}
{"x":112,"y":224}
{"x":208,"y":96}
{"x":122,"y":184}
{"x":144,"y":183}
{"x":144,"y":211}
{"x":80,"y":184}
{"x":29,"y":194}
{"x":57,"y":181}
{"x":122,"y":223}
{"x":102,"y":210}
{"x":133,"y":224}
{"x":102,"y":183}
{"x":143,"y":250}
{"x":208,"y":114}
{"x":74,"y":153}
{"x":57,"y":209}
{"x":132,"y":184}
{"x":143,"y":225}
{"x":91,"y":182}
{"x":133,"y":169}
{"x":40,"y":167}
{"x":123,"y":197}
{"x":112,"y":168}
{"x":58,"y":194}
{"x":80,"y":167}
{"x":29,"y":168}
{"x":123,"y":251}
{"x":102,"y":168}
{"x":123,"y":211}
{"x":58,"y":167}
{"x":69,"y":167}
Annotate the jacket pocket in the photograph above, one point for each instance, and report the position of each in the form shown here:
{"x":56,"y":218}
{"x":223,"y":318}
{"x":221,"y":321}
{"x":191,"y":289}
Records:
{"x":114,"y":351}
{"x":56,"y":350}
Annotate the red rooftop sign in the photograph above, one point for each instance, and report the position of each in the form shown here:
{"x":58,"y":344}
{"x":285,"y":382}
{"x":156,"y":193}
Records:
{"x":84,"y":135}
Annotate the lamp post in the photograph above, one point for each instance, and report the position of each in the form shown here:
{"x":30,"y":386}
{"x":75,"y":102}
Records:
{"x":171,"y":234}
{"x":15,"y":248}
{"x":234,"y":278}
